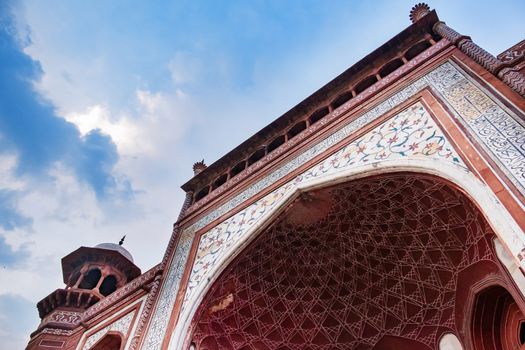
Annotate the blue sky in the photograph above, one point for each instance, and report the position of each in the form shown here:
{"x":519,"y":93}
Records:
{"x":104,"y":107}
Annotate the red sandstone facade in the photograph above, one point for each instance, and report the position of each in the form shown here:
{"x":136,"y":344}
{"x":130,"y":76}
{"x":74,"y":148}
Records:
{"x":385,"y":211}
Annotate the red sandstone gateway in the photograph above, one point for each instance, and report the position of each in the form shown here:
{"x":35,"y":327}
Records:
{"x":385,"y":211}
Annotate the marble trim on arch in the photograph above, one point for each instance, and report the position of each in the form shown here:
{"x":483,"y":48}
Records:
{"x":121,"y":326}
{"x":498,"y":217}
{"x":445,"y":78}
{"x":123,"y":322}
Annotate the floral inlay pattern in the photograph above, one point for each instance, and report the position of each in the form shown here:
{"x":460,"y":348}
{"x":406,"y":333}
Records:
{"x":411,"y":133}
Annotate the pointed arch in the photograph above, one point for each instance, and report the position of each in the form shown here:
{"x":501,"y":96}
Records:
{"x":498,"y":218}
{"x":111,"y":341}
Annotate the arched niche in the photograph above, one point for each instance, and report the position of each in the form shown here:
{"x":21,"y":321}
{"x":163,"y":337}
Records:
{"x":91,"y":278}
{"x":497,"y":321}
{"x":111,"y":341}
{"x":342,"y":265}
{"x":108,"y":286}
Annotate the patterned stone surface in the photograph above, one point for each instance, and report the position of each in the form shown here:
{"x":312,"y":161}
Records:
{"x":168,"y":293}
{"x":514,"y":53}
{"x":69,"y":318}
{"x":121,"y":325}
{"x":500,"y":133}
{"x":385,"y":259}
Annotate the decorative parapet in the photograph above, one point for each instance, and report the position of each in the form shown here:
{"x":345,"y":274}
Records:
{"x":316,"y":128}
{"x":514,"y":54}
{"x":465,"y":44}
{"x":418,"y":11}
{"x":67,"y":298}
{"x":199,"y":167}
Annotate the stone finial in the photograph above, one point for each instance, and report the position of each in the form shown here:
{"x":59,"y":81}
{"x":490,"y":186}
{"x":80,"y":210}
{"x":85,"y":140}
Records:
{"x":419,"y":11}
{"x":198,"y":167}
{"x":121,"y":242}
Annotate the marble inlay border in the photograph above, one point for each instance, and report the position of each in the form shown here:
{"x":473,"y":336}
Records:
{"x":168,"y":293}
{"x":500,"y":134}
{"x":121,"y":325}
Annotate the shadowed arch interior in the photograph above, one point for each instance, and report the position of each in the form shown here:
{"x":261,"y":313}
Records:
{"x":498,"y":323}
{"x":109,"y":342}
{"x":344,"y":267}
{"x":91,"y":279}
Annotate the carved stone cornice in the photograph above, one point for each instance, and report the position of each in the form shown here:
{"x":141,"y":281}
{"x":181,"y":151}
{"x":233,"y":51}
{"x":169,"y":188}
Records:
{"x":510,"y":76}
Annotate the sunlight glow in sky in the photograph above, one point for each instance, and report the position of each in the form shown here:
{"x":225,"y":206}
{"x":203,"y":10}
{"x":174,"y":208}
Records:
{"x":105,"y":106}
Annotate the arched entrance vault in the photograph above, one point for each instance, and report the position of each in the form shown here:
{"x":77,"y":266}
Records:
{"x":348,"y":259}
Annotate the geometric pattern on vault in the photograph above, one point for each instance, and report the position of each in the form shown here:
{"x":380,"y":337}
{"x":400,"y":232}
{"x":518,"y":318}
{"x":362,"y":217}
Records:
{"x":381,"y":258}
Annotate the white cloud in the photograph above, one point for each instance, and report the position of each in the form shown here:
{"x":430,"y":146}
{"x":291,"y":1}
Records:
{"x":123,"y":131}
{"x":157,"y":121}
{"x":67,"y":215}
{"x":162,"y":120}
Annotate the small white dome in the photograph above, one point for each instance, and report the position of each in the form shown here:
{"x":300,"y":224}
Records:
{"x":116,"y":247}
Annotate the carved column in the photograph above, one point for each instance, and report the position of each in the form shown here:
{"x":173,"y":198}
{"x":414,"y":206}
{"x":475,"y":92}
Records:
{"x":509,"y":76}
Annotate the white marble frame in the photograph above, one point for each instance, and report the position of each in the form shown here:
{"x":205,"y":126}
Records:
{"x":505,"y":227}
{"x":114,"y":318}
